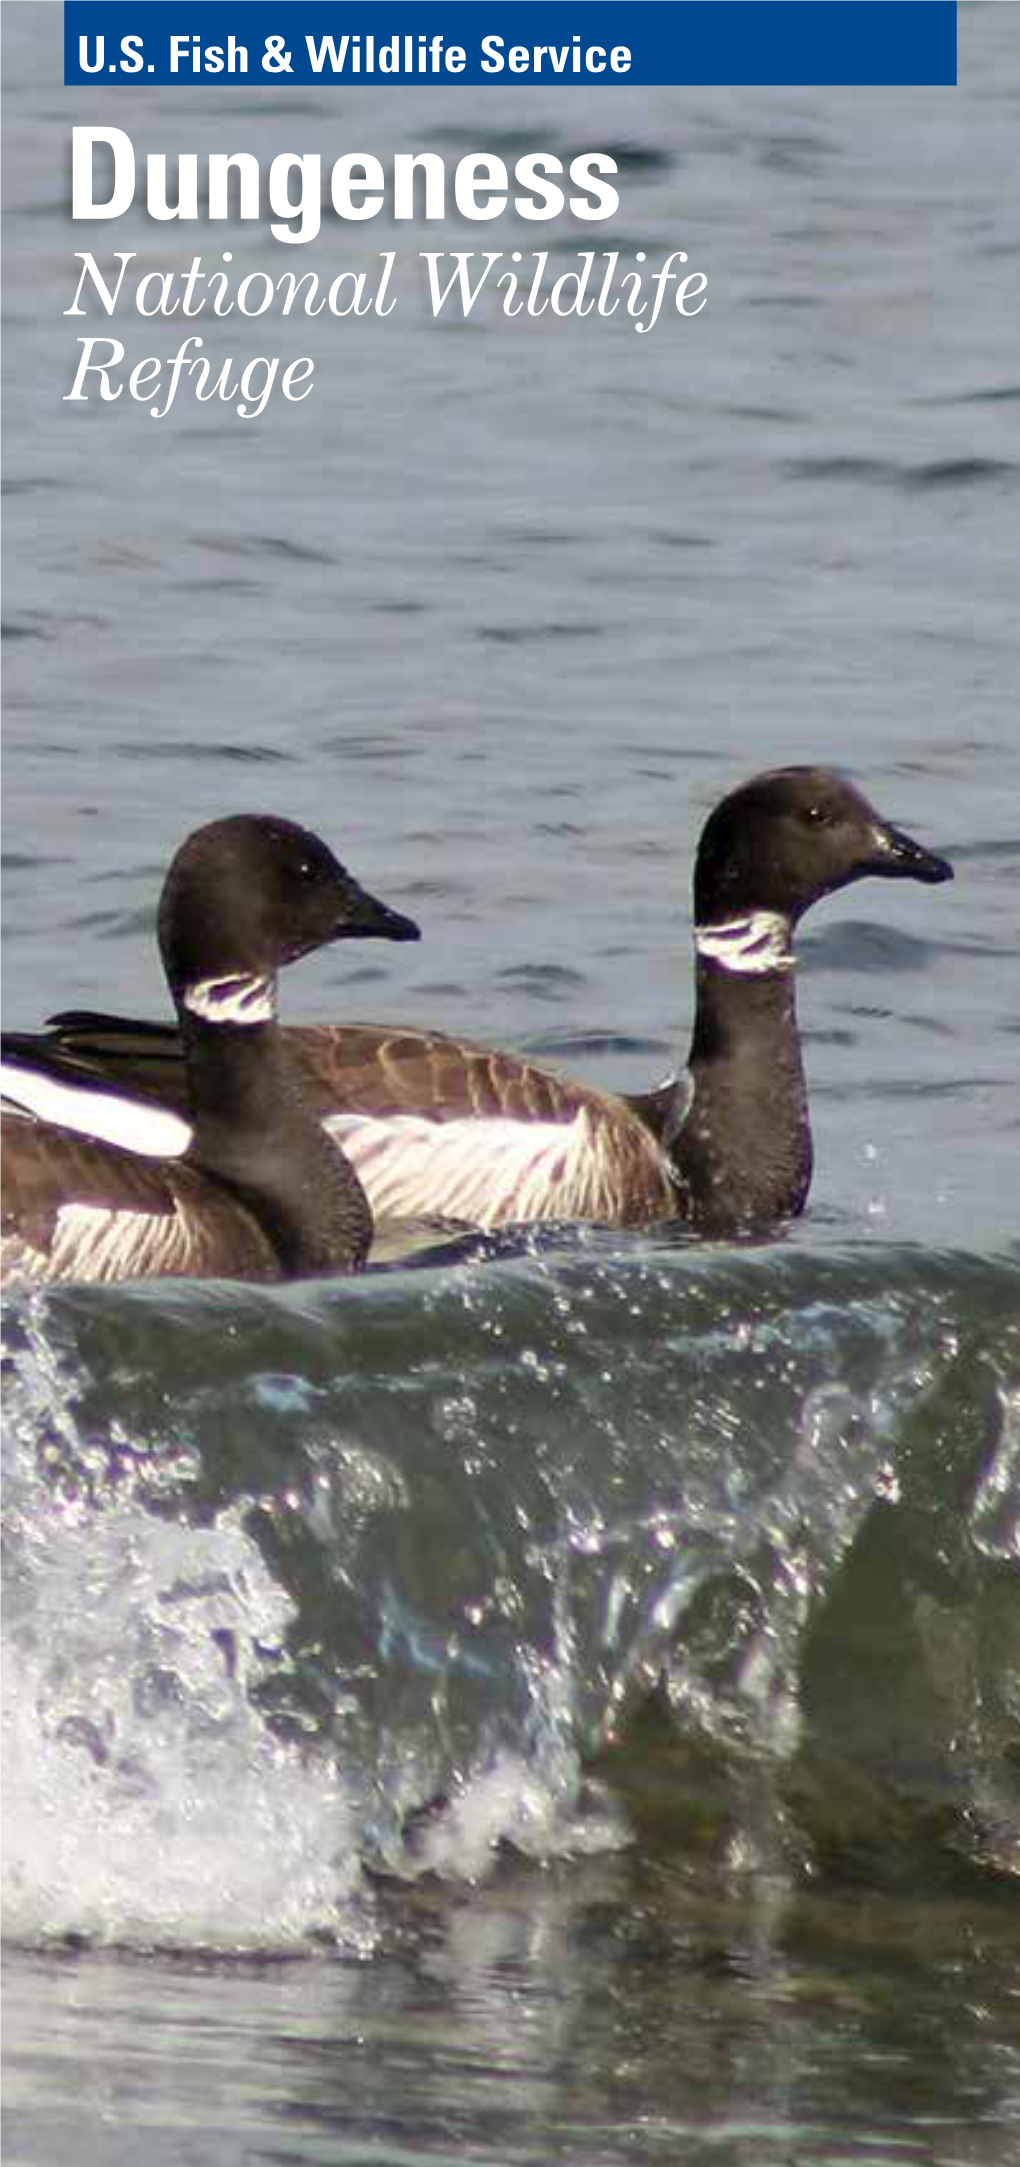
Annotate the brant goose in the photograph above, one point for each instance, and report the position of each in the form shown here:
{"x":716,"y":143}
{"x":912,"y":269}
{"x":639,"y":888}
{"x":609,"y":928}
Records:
{"x":248,"y":1187}
{"x":436,"y":1124}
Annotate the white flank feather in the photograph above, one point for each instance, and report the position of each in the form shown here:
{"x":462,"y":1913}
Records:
{"x":152,"y":1131}
{"x":488,"y":1172}
{"x":91,"y":1242}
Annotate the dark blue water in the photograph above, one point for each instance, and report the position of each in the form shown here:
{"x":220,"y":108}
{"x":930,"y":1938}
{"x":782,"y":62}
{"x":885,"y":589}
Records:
{"x":565,"y":1707}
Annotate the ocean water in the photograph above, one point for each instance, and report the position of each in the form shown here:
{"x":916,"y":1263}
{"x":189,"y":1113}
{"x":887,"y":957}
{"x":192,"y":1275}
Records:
{"x":564,"y":1706}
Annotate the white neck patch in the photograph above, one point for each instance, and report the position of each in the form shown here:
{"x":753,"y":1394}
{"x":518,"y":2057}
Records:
{"x":241,"y":998}
{"x":755,"y":944}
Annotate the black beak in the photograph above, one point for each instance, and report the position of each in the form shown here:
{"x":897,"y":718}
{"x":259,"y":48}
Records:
{"x":900,"y":858}
{"x":366,"y":918}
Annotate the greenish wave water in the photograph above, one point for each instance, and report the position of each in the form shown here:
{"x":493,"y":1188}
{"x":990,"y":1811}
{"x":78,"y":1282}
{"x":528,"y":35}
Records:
{"x":552,"y":1551}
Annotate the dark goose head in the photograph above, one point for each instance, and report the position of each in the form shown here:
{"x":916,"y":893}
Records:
{"x":246,"y":895}
{"x":792,"y":835}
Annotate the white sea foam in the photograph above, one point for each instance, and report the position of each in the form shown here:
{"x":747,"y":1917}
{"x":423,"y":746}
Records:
{"x":145,"y":1799}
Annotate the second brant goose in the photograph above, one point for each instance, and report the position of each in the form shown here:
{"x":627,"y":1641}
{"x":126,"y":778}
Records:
{"x":442,"y":1125}
{"x":257,"y":1190}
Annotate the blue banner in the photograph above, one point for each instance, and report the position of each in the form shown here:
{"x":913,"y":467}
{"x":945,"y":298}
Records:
{"x":466,"y":41}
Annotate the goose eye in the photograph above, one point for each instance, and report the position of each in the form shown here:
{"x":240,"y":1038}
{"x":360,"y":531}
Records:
{"x":817,"y":816}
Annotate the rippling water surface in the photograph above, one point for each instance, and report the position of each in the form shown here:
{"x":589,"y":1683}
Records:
{"x":562,"y":1705}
